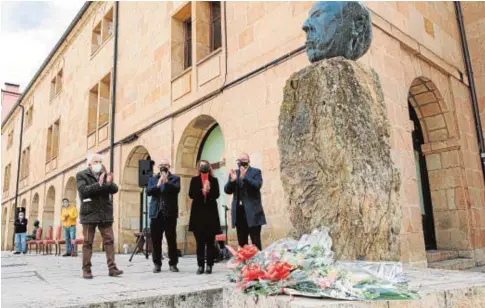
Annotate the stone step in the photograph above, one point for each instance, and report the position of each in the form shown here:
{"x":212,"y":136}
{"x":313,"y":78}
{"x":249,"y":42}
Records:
{"x":440,"y":255}
{"x":453,"y":264}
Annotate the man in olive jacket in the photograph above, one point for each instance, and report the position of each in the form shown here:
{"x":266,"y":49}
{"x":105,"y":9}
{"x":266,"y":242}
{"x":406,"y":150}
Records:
{"x":95,"y":186}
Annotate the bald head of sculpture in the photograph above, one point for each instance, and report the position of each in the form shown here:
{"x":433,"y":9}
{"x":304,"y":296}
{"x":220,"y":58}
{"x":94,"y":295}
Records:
{"x":337,"y":29}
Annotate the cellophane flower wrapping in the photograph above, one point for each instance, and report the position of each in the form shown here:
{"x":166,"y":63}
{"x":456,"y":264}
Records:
{"x":308,"y":268}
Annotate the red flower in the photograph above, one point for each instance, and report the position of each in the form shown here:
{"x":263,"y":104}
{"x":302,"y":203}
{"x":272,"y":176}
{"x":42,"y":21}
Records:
{"x":252,"y":272}
{"x":278,"y":271}
{"x":243,"y":254}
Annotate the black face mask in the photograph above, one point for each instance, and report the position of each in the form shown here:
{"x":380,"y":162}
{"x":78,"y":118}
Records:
{"x":163,"y":169}
{"x":242,"y":164}
{"x":204,"y":169}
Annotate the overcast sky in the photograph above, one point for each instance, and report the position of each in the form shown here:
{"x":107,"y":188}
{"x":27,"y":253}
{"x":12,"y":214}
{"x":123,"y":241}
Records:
{"x":28,"y":32}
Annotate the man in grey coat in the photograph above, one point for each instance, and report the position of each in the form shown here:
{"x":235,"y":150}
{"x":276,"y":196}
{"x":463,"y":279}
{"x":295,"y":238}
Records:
{"x":247,"y":209}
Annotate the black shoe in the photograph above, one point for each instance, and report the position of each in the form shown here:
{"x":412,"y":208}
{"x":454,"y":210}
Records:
{"x":66,"y":255}
{"x":209,"y":269}
{"x":200,"y":271}
{"x":16,"y":253}
{"x":173,"y":268}
{"x":25,"y":252}
{"x":157,"y":269}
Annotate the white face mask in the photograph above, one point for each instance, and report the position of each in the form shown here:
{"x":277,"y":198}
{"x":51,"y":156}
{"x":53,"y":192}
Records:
{"x":21,"y":217}
{"x":97,"y":168}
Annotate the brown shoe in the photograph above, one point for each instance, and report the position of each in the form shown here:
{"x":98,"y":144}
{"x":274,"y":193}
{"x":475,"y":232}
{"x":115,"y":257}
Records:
{"x":87,"y":274}
{"x":115,"y":272}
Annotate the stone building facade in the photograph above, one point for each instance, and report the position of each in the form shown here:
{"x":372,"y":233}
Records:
{"x":183,"y":91}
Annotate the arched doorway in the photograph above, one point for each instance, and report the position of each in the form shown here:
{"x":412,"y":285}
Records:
{"x":212,"y":150}
{"x":132,"y":215}
{"x":34,"y":209}
{"x":70,"y":191}
{"x":433,"y":125}
{"x":4,"y":226}
{"x":201,"y":139}
{"x":10,"y":226}
{"x":423,"y":183}
{"x":49,"y":209}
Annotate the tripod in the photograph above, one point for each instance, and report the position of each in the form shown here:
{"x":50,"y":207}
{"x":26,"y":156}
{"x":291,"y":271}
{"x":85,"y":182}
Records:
{"x":144,"y":232}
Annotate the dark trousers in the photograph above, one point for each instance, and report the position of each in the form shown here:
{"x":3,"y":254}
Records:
{"x":106,"y":231}
{"x":205,"y":240}
{"x":158,"y":226}
{"x":243,"y":230}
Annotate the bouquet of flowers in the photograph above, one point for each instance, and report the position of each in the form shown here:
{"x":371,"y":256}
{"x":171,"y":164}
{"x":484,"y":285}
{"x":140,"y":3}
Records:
{"x":307,"y":267}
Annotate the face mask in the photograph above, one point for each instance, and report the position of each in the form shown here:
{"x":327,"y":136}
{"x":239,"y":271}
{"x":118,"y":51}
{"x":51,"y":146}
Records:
{"x":163,"y":169}
{"x":21,"y":217}
{"x":66,"y":204}
{"x":204,"y":169}
{"x":242,"y":163}
{"x":97,"y":168}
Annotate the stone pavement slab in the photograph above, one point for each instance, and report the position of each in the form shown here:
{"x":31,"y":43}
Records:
{"x":49,"y":281}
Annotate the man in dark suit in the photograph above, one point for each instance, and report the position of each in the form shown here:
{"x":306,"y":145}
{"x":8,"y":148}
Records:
{"x":164,"y":188}
{"x":95,"y":186}
{"x":247,"y":210}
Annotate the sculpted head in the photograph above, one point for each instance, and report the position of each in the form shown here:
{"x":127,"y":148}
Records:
{"x":337,"y":29}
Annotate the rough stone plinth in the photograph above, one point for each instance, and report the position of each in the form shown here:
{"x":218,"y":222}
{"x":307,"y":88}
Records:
{"x":437,"y":288}
{"x":336,"y":165}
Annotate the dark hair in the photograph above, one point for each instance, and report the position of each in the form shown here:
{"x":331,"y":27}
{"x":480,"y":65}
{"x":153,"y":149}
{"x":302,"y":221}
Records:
{"x":65,"y":199}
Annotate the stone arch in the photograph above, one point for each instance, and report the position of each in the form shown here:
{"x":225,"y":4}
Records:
{"x":49,"y":208}
{"x":24,"y":203}
{"x":189,"y":144}
{"x":4,"y":225}
{"x":188,"y":151}
{"x":437,"y":164}
{"x":9,"y":230}
{"x":70,"y":191}
{"x":431,"y":109}
{"x":34,"y":208}
{"x":131,"y":196}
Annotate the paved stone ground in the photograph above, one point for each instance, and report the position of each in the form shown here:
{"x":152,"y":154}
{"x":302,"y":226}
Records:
{"x":49,"y":281}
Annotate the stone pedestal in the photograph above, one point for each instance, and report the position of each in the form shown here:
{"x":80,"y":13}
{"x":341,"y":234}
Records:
{"x":336,"y":166}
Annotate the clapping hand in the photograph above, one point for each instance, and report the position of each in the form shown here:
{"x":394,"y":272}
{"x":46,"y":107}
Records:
{"x":101,"y":178}
{"x":233,"y":175}
{"x":207,"y":187}
{"x":109,"y":178}
{"x":164,"y":177}
{"x":243,"y":172}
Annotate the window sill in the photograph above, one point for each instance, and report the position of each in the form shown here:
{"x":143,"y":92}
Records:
{"x":209,"y":56}
{"x":182,"y":74}
{"x":104,"y":42}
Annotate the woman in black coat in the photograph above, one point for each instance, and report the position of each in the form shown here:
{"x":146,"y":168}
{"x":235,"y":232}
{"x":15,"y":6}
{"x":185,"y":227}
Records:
{"x":204,"y":216}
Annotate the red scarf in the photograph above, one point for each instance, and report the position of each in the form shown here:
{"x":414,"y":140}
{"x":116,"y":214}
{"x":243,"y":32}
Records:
{"x":205,"y":178}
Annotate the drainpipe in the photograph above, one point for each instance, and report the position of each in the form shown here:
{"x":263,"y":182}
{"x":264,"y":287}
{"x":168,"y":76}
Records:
{"x":471,"y":81}
{"x":113,"y":89}
{"x":19,"y":163}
